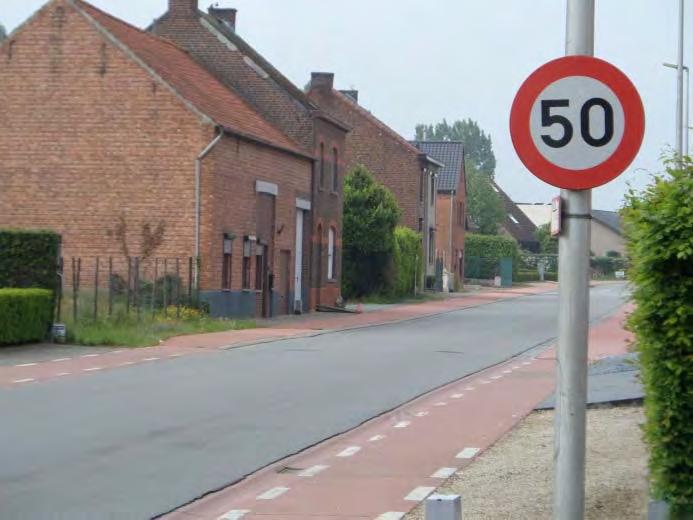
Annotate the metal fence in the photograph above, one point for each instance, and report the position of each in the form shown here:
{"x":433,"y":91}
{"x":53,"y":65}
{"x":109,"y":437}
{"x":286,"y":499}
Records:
{"x":93,"y":288}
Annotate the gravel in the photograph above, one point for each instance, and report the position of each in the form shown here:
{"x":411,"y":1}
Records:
{"x":514,"y":478}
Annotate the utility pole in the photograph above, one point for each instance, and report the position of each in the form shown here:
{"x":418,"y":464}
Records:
{"x":573,"y":312}
{"x":679,"y":89}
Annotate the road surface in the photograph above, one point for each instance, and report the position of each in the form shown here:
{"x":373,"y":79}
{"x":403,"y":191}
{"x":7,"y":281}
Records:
{"x":140,"y":441}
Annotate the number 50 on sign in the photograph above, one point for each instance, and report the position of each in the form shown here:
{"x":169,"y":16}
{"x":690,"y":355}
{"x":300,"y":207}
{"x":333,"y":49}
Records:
{"x":577,"y":122}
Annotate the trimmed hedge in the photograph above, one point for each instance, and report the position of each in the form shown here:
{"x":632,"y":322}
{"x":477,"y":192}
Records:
{"x":533,"y":276}
{"x":29,"y":258}
{"x":659,"y":231}
{"x":482,"y":254}
{"x":25,"y":315}
{"x":407,"y":257}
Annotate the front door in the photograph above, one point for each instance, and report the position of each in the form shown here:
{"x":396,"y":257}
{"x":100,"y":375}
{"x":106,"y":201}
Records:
{"x":298,"y":266}
{"x":285,"y":285}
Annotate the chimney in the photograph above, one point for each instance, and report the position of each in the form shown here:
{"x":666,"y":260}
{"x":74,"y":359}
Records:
{"x":225,"y":16}
{"x":322,"y":81}
{"x":182,"y":7}
{"x":353,"y":94}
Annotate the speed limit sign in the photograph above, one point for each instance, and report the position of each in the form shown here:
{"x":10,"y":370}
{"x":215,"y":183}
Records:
{"x":577,"y":122}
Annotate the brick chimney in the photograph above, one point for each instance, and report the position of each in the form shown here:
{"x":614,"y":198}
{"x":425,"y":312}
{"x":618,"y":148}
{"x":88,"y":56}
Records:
{"x":353,"y":94}
{"x":182,"y":7}
{"x":225,"y":16}
{"x":322,"y":81}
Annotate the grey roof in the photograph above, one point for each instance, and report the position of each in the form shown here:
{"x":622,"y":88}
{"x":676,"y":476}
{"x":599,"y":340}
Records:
{"x":610,"y":219}
{"x":451,"y":154}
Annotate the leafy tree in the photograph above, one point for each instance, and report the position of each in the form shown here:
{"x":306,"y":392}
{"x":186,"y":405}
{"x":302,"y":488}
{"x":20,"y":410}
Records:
{"x":478,"y":148}
{"x":548,"y":245}
{"x":483,"y":203}
{"x":3,"y":33}
{"x":370,"y":217}
{"x":659,"y":230}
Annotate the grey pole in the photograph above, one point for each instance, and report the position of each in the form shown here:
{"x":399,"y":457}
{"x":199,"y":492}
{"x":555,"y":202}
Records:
{"x":679,"y":87}
{"x":573,"y":265}
{"x":686,"y":110}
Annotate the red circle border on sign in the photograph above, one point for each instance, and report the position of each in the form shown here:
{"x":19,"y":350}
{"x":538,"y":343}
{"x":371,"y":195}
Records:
{"x":633,"y":111}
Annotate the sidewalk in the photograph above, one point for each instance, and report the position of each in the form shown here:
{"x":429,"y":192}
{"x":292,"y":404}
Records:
{"x":384,"y":468}
{"x":32,"y":364}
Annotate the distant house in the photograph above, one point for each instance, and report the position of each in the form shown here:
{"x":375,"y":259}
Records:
{"x":451,"y":204}
{"x":607,"y":234}
{"x":405,"y":170}
{"x":516,"y":224}
{"x":109,"y":131}
{"x":212,"y":39}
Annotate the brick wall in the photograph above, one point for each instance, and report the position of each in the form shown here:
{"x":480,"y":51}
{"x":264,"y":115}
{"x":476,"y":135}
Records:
{"x":444,"y":236}
{"x":88,"y":138}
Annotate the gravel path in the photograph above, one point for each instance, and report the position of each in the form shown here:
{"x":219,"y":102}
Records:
{"x":514,"y":479}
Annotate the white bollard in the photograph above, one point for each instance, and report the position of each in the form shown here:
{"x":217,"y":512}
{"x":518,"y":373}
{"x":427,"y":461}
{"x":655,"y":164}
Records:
{"x":444,"y":507}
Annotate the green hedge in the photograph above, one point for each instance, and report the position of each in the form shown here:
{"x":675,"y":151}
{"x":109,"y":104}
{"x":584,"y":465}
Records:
{"x":659,"y":230}
{"x":407,"y":259}
{"x":533,"y":276}
{"x":28,"y":258}
{"x":483,"y":252}
{"x":25,"y":315}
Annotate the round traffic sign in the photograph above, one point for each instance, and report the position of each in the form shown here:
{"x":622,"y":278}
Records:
{"x":577,"y":122}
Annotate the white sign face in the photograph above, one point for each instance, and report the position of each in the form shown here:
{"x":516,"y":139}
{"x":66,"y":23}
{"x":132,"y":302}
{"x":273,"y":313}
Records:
{"x":577,"y":122}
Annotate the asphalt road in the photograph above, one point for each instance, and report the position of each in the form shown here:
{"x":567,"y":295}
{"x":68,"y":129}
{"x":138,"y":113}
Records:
{"x":140,"y":441}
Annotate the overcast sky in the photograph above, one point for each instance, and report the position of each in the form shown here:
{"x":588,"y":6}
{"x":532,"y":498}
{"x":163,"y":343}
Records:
{"x":416,"y":61}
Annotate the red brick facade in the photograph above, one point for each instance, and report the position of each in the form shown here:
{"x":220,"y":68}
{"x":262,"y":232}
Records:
{"x":93,"y":135}
{"x":451,"y":231}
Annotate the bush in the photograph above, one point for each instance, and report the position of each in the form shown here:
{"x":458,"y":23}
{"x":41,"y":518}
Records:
{"x":607,"y":265}
{"x":370,"y":217}
{"x":533,"y":276}
{"x":407,"y":260}
{"x":659,"y":231}
{"x":25,"y":315}
{"x":483,"y":254}
{"x":29,"y":259}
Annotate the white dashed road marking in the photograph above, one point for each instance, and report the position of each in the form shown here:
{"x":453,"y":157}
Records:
{"x":469,"y":388}
{"x":350,"y":451}
{"x":526,"y":363}
{"x":496,"y":377}
{"x":516,"y":367}
{"x":175,"y":355}
{"x":441,"y":403}
{"x":273,"y":493}
{"x":312,"y":471}
{"x":127,"y":363}
{"x":63,"y":374}
{"x":484,"y":382}
{"x":402,"y":424}
{"x":507,"y":371}
{"x":61,"y":359}
{"x":234,"y":514}
{"x":150,"y":359}
{"x":419,"y":493}
{"x":444,"y":473}
{"x":27,"y":365}
{"x":467,"y":453}
{"x":457,"y":396}
{"x":421,"y":414}
{"x":89,"y":355}
{"x":392,"y":515}
{"x":117,"y":351}
{"x":27,"y":380}
{"x":376,"y":438}
{"x":92,"y":369}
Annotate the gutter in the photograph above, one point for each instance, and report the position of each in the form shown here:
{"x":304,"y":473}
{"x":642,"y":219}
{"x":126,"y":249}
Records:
{"x":198,"y":205}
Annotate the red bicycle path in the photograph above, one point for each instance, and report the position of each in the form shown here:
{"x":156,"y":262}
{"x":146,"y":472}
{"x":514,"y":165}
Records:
{"x":89,"y":364}
{"x":384,"y":468}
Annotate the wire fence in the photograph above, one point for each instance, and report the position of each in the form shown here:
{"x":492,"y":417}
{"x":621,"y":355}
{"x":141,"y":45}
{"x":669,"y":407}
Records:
{"x":94,"y":288}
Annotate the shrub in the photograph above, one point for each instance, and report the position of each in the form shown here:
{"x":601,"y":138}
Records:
{"x":407,"y":259}
{"x":659,"y":231}
{"x":29,"y":259}
{"x":370,"y":217}
{"x":483,"y":254}
{"x":25,"y":315}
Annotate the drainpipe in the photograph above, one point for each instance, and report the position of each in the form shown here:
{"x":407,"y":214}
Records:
{"x":452,"y":206}
{"x":198,"y":205}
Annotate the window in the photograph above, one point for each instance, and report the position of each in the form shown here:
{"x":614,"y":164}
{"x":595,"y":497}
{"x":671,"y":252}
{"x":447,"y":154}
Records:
{"x":322,"y":165}
{"x":246,"y":263}
{"x":335,"y":170}
{"x":330,"y":254}
{"x":422,"y":187}
{"x":431,"y":245}
{"x":259,"y":267}
{"x":511,"y":217}
{"x":420,"y":224}
{"x":433,"y":189}
{"x":227,"y":263}
{"x":460,"y":213}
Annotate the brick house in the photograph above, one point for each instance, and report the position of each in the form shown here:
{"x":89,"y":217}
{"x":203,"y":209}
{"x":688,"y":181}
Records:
{"x":516,"y":224}
{"x":405,"y":170}
{"x":451,"y":205}
{"x":106,"y":127}
{"x":212,"y":40}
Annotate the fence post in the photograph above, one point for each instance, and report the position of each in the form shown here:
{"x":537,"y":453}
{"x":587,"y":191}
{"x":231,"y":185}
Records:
{"x":127,"y":288}
{"x":110,"y":286}
{"x":177,"y":288}
{"x":96,"y":290}
{"x":156,"y":275}
{"x":136,"y":282}
{"x":444,"y":507}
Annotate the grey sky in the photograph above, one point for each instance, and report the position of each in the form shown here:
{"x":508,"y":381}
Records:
{"x":416,"y":61}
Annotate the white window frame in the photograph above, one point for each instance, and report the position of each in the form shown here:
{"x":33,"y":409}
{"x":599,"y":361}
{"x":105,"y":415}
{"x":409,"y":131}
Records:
{"x":330,"y":254}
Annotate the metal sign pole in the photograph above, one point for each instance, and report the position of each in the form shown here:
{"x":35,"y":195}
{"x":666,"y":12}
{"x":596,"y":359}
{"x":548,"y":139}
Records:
{"x":574,"y":243}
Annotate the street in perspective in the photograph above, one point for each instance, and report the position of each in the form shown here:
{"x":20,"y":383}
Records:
{"x":282,"y":261}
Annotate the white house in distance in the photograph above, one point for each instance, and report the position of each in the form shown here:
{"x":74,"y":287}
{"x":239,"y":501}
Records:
{"x":607,"y":234}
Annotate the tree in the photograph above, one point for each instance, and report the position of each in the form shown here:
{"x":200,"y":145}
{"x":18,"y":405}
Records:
{"x":370,"y":217}
{"x":484,"y":205}
{"x":478,"y":148}
{"x":548,"y":245}
{"x":3,"y":33}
